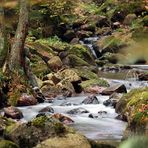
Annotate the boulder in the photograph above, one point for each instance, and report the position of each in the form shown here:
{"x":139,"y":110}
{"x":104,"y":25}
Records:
{"x":94,"y":89}
{"x":74,"y":41}
{"x":116,"y":25}
{"x":67,"y":141}
{"x":83,"y":34}
{"x":13,"y":112}
{"x":4,"y":123}
{"x":78,"y":110}
{"x":113,"y":100}
{"x":88,"y":27}
{"x":133,"y":107}
{"x":129,"y":19}
{"x":26,"y":100}
{"x":68,"y":104}
{"x":118,"y":88}
{"x":143,"y":76}
{"x":69,"y":35}
{"x":90,"y":100}
{"x":103,"y":22}
{"x":62,"y":118}
{"x":93,"y":116}
{"x":37,"y":130}
{"x":47,"y":109}
{"x":55,"y":63}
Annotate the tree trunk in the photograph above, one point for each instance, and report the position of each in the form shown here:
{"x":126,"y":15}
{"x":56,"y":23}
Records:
{"x":17,"y":54}
{"x":3,"y":38}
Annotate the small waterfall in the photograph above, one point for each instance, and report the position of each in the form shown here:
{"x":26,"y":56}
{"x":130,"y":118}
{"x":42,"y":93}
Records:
{"x":88,"y":42}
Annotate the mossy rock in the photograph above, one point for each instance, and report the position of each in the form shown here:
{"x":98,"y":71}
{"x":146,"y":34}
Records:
{"x":69,"y":140}
{"x":29,"y":134}
{"x":85,"y":73}
{"x":93,"y":82}
{"x":5,"y":123}
{"x":134,"y":106}
{"x":74,"y":61}
{"x":39,"y":67}
{"x":7,"y":144}
{"x":81,"y":52}
{"x":54,"y":43}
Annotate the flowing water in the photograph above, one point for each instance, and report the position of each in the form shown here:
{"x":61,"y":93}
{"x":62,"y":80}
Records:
{"x":105,"y":127}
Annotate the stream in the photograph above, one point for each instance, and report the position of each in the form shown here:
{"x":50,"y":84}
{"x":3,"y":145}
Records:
{"x":105,"y":127}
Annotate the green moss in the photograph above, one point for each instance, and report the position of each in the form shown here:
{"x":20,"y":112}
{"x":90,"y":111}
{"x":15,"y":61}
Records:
{"x":54,"y":42}
{"x":75,"y":61}
{"x":81,"y":52}
{"x":7,"y":144}
{"x":136,"y":99}
{"x":39,"y":121}
{"x":39,"y":67}
{"x":86,"y":73}
{"x":99,"y":82}
{"x":59,"y":128}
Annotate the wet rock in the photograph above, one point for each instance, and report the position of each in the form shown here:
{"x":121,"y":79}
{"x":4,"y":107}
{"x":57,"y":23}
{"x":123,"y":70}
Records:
{"x":62,"y":118}
{"x":143,"y":77}
{"x":118,"y":88}
{"x":13,"y":112}
{"x":113,"y":100}
{"x":88,"y":27}
{"x":55,"y":63}
{"x":74,"y":41}
{"x":116,"y":25}
{"x":92,"y":116}
{"x":79,"y":110}
{"x":83,"y":34}
{"x":102,"y":22}
{"x":122,"y":117}
{"x":26,"y":100}
{"x":47,"y":109}
{"x":118,"y":16}
{"x":68,"y":104}
{"x":102,"y":112}
{"x":90,"y":100}
{"x":39,"y":95}
{"x":69,"y":35}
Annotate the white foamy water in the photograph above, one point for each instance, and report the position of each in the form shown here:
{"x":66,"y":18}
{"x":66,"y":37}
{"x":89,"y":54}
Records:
{"x":104,"y":127}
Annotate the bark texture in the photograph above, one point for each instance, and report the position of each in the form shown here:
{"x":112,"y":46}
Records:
{"x":3,"y":38}
{"x":17,"y":54}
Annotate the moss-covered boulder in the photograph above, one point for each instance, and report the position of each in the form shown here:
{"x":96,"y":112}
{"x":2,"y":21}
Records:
{"x":74,"y":61}
{"x":82,"y":52}
{"x":7,"y":144}
{"x":85,"y":73}
{"x":67,"y":141}
{"x":134,"y":106}
{"x":93,"y":82}
{"x":40,"y":129}
{"x":55,"y":63}
{"x":63,"y":80}
{"x":4,"y":123}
